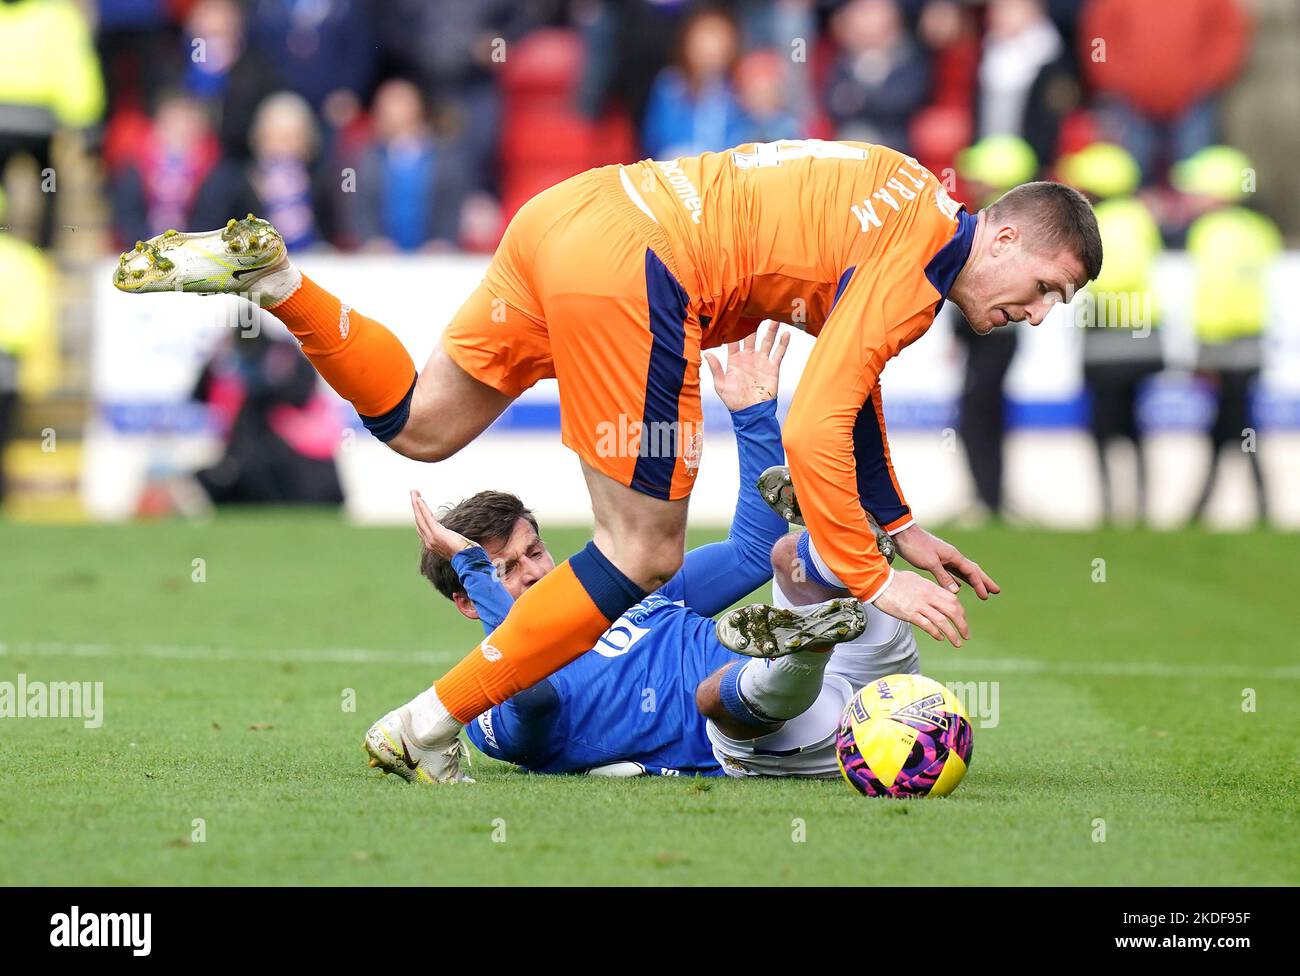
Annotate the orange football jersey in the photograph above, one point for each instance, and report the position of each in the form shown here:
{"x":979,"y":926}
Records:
{"x":855,"y":244}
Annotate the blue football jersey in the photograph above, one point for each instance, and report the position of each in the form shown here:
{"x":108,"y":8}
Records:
{"x":631,"y":698}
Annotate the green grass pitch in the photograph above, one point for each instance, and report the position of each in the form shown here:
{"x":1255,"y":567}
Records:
{"x":1120,"y":717}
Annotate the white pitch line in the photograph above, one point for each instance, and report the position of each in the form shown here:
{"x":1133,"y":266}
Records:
{"x":1118,"y":669}
{"x":177,"y":652}
{"x":362,"y":655}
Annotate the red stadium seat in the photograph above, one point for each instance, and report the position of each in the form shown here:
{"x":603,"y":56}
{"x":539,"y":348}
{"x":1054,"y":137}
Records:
{"x":938,"y":133}
{"x":545,"y":139}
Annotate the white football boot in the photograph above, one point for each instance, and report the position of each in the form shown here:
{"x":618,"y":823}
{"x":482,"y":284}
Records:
{"x":759,"y":630}
{"x":393,"y":749}
{"x":232,"y":261}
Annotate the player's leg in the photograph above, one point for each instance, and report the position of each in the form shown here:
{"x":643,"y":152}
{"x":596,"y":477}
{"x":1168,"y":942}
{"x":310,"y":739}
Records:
{"x":750,"y":699}
{"x":885,"y":646}
{"x":644,"y":536}
{"x":429,"y":419}
{"x":798,"y":574}
{"x":812,"y":688}
{"x":778,"y":716}
{"x":791,"y":646}
{"x":626,"y":353}
{"x":803,"y":746}
{"x":747,"y":699}
{"x":558,"y":618}
{"x":756,"y":694}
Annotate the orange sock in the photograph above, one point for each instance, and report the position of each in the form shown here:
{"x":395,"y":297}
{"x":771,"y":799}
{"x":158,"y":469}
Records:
{"x":557,"y":619}
{"x":364,"y":362}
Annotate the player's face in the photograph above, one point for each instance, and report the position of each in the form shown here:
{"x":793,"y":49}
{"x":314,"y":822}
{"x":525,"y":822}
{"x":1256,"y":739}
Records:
{"x":522,"y":560}
{"x":1016,"y":283}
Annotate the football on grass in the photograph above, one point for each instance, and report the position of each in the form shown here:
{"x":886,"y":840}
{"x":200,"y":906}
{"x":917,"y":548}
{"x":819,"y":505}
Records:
{"x":904,"y":735}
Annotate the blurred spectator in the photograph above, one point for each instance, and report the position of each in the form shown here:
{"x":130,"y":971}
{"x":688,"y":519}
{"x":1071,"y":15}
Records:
{"x":1027,"y":80}
{"x":693,"y":106}
{"x":1260,"y":111}
{"x":280,"y":430}
{"x":789,"y":29}
{"x":26,"y":325}
{"x":221,"y":70}
{"x":1234,"y":249}
{"x":944,"y":127}
{"x":880,"y":77}
{"x":136,"y":41}
{"x":321,"y":48}
{"x":411,"y":185}
{"x":989,"y":168}
{"x":546,"y":137}
{"x":1121,"y":336}
{"x":179,"y":178}
{"x":49,"y":79}
{"x":455,"y":51}
{"x":290,"y":195}
{"x":1159,"y":67}
{"x":628,"y":42}
{"x":949,"y":30}
{"x":763,"y":95}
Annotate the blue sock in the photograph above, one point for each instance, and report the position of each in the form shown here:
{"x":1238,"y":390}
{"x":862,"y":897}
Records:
{"x":734,"y":702}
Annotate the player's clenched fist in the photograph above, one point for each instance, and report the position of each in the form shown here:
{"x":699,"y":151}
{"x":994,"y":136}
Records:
{"x":915,"y":599}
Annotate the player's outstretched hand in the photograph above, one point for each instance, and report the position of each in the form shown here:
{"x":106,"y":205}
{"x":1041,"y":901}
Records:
{"x":914,"y":599}
{"x":753,"y":365}
{"x":943,"y":561}
{"x":437,"y":538}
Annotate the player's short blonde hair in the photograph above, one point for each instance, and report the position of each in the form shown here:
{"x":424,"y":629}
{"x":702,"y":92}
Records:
{"x":1055,"y":217}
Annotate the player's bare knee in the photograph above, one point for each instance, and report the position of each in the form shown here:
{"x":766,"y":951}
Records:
{"x":785,"y":556}
{"x":668,"y":554}
{"x":707,"y":700}
{"x":421,"y":445}
{"x":429,"y":435}
{"x":659,"y":565}
{"x":649,"y":558}
{"x":449,"y":408}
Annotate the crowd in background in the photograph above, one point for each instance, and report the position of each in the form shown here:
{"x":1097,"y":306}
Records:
{"x":411,"y":125}
{"x":421,"y":125}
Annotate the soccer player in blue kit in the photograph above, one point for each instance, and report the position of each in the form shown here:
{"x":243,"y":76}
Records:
{"x":659,"y":693}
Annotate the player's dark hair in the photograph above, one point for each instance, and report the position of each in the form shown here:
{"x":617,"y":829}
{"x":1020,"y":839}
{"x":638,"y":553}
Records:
{"x":1061,"y":218}
{"x":488,"y":518}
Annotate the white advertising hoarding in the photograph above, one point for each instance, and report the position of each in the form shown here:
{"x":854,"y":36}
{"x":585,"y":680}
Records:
{"x":149,"y":350}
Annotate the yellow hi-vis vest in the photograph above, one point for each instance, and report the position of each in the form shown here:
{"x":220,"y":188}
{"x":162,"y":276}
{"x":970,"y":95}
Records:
{"x":48,"y":61}
{"x":27,"y":314}
{"x":1233,"y":250}
{"x":1130,"y":241}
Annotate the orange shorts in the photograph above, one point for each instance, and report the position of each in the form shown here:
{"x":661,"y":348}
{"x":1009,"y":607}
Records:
{"x":584,"y":288}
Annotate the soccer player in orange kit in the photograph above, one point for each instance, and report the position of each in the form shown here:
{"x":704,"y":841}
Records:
{"x":612,"y":282}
